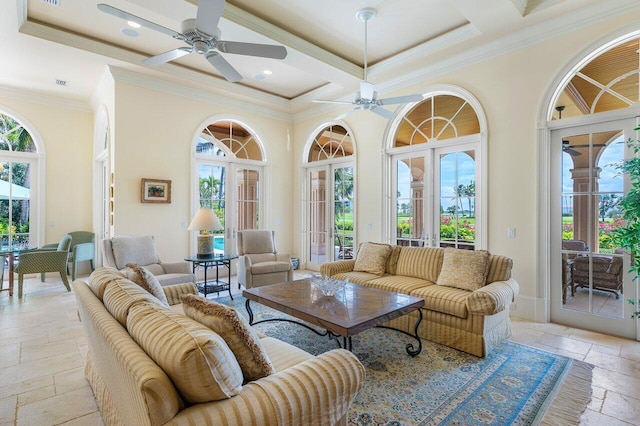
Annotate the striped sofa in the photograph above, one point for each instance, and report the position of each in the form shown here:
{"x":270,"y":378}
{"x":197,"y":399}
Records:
{"x":132,"y":389}
{"x":470,"y":321}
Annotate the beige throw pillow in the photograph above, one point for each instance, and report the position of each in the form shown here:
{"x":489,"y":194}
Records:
{"x":372,"y":258}
{"x":464,"y":269}
{"x":197,"y":360}
{"x":146,"y":280}
{"x":235,"y":330}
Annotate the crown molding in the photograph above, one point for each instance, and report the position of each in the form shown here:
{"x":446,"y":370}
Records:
{"x":245,"y":19}
{"x":122,"y":75}
{"x":28,"y":95}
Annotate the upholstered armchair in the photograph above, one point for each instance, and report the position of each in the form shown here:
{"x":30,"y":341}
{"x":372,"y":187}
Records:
{"x":118,"y":251}
{"x":259,"y":262}
{"x":82,"y":249}
{"x":43,"y":260}
{"x":606,"y":272}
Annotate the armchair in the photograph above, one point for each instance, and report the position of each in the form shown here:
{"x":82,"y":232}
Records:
{"x":570,"y":249}
{"x":43,"y":260}
{"x":82,"y":249}
{"x":118,"y":251}
{"x":606,"y":272}
{"x":259,"y":263}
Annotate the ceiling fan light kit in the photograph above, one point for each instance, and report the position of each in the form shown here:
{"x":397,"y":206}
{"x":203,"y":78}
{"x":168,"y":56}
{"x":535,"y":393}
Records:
{"x":203,"y":37}
{"x":367,"y":98}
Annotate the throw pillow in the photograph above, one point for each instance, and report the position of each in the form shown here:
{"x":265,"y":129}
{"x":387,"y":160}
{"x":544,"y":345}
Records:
{"x":372,"y":258}
{"x":235,"y":330}
{"x":197,"y":360}
{"x":146,"y":280}
{"x":464,"y":269}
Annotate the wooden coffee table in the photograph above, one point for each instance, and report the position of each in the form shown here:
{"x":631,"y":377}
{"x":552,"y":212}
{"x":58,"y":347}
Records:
{"x":352,"y":310}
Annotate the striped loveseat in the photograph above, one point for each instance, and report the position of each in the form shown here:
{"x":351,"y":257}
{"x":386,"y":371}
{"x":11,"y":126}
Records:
{"x":132,"y":389}
{"x":469,"y":320}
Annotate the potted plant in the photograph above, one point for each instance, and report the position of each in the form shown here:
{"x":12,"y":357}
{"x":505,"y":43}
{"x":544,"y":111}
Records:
{"x":628,"y":235}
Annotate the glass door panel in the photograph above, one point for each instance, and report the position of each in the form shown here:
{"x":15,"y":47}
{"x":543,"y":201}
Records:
{"x":212,"y":190}
{"x":318,"y":235}
{"x":15,"y":196}
{"x":247,"y":198}
{"x":588,"y":276}
{"x":343,"y":212}
{"x":410,"y":207}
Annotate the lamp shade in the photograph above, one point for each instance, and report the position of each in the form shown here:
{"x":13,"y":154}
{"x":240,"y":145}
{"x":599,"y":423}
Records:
{"x":205,"y":220}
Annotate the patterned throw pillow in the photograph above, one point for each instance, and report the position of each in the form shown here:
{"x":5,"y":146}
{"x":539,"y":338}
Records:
{"x":464,"y":269}
{"x":372,"y":258}
{"x":235,"y":330}
{"x":146,"y":280}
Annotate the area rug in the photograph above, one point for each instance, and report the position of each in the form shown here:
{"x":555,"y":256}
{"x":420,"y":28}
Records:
{"x":514,"y":385}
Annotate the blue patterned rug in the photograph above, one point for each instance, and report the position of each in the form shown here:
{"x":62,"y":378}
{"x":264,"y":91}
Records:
{"x":441,"y":386}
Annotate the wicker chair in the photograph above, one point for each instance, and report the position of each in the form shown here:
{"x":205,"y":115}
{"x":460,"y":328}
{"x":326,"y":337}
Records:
{"x":43,"y":260}
{"x":606,"y":272}
{"x":82,"y":249}
{"x":571,"y":249}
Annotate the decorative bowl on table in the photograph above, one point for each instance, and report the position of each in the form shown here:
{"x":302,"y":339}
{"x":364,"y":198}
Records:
{"x":328,"y":286}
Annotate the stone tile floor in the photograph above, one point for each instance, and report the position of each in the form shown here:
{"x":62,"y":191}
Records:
{"x":43,"y":349}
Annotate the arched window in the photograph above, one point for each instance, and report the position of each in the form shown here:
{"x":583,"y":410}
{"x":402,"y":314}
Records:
{"x":229,"y":171}
{"x":18,"y":182}
{"x":330,"y":194}
{"x":591,"y":111}
{"x":435,"y":162}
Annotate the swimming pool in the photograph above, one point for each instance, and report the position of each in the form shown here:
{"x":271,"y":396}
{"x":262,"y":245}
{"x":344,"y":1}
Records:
{"x":218,"y":244}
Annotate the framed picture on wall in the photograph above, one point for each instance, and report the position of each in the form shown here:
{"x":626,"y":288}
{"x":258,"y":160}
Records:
{"x":155,"y":191}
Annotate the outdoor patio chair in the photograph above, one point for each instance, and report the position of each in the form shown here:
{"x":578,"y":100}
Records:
{"x":43,"y":260}
{"x":606,"y":272}
{"x":570,"y":247}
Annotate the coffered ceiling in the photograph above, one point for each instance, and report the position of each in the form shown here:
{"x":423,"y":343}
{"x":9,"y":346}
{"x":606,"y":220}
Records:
{"x":74,"y":42}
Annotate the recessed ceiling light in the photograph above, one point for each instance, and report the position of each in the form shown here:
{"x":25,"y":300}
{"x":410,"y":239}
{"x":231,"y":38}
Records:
{"x":267,"y":72}
{"x":259,"y":77}
{"x":130,"y":32}
{"x":133,"y":24}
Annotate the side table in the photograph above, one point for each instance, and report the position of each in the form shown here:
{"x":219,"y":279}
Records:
{"x":216,"y":260}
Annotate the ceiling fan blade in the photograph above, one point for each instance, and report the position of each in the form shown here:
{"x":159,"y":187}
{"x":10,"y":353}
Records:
{"x":320,"y":101}
{"x":129,"y":17}
{"x":252,"y":49}
{"x":571,"y":152}
{"x":346,"y":114}
{"x":382,"y":112}
{"x":367,"y":90}
{"x":400,"y":100}
{"x":165,"y":57}
{"x":208,"y":16}
{"x":225,"y":68}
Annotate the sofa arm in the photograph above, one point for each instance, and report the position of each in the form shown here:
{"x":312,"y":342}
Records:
{"x":332,"y":268}
{"x":177,"y":268}
{"x":283,"y":257}
{"x":493,"y":298}
{"x":173,"y":292}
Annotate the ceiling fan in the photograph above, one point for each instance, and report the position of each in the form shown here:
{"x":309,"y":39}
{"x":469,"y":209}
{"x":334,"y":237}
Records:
{"x":569,"y":149}
{"x":367,"y":97}
{"x":203,"y":37}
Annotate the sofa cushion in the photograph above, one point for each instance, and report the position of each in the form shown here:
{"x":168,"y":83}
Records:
{"x":122,"y":294}
{"x":146,"y":280}
{"x":355,"y":277}
{"x":420,"y":262}
{"x":464,"y":269}
{"x":270,"y":267}
{"x":236,"y":332}
{"x":283,"y":355}
{"x":197,"y":360}
{"x":101,"y":278}
{"x":399,"y":283}
{"x":134,"y":249}
{"x":372,"y":258}
{"x":447,"y":300}
{"x":392,"y":261}
{"x":499,"y":268}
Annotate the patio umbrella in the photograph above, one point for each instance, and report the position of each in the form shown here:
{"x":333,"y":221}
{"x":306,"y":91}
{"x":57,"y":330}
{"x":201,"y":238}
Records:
{"x":17,"y":192}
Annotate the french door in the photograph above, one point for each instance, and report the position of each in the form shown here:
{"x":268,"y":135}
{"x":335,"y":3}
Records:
{"x":15,"y":203}
{"x":233,"y":190}
{"x":589,"y":280}
{"x":330,"y":219}
{"x":436,"y":198}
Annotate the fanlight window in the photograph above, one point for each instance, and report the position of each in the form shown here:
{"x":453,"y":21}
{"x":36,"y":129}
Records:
{"x":333,"y":141}
{"x":607,"y":82}
{"x":437,"y":117}
{"x":14,"y":137}
{"x":238,"y":140}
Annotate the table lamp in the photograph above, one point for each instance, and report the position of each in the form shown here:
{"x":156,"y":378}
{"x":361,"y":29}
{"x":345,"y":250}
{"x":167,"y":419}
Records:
{"x":204,"y":221}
